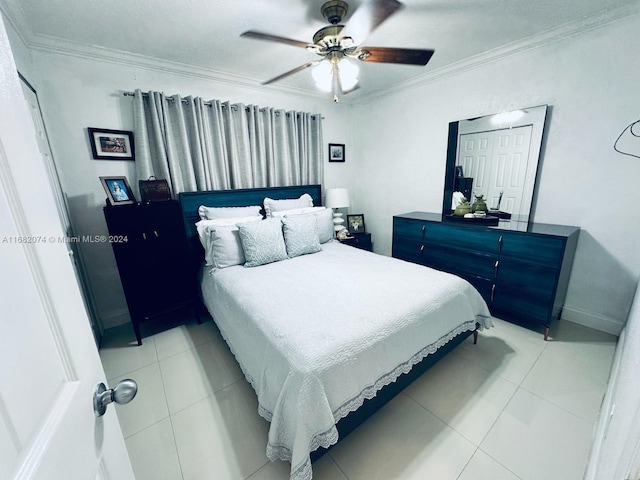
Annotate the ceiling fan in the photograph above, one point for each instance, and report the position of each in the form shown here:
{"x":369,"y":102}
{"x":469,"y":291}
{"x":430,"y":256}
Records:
{"x":336,"y":44}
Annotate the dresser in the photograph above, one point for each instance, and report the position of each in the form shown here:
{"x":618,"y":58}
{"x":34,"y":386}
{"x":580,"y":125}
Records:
{"x":521,"y":270}
{"x":151,"y":259}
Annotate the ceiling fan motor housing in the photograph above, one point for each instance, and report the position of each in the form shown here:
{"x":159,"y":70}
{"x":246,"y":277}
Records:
{"x":328,"y":36}
{"x":334,"y":11}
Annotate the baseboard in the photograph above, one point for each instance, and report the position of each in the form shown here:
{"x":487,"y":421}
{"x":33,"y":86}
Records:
{"x":592,"y":320}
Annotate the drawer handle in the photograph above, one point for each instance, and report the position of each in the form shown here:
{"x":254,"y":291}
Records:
{"x":155,"y":232}
{"x":493,"y":289}
{"x":424,"y":228}
{"x":495,"y":268}
{"x":500,"y":244}
{"x":144,"y":235}
{"x":421,"y":248}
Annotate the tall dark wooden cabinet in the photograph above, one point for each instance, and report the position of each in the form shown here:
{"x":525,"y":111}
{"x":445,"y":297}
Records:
{"x":522,"y":275}
{"x":151,"y":259}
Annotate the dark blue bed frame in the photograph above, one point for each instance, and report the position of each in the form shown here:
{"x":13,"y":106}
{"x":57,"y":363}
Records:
{"x":190,"y":201}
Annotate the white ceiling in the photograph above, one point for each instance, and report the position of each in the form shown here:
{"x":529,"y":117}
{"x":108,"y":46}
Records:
{"x":206,"y":33}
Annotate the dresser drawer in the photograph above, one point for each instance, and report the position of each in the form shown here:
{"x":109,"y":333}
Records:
{"x":449,"y":236}
{"x":539,"y":249}
{"x":520,"y":303}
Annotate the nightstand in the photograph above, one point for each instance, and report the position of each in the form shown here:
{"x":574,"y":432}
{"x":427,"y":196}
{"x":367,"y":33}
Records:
{"x":361,"y":240}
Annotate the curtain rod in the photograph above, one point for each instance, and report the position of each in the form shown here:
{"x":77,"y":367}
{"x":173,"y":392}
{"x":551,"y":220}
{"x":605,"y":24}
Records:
{"x":132,"y":94}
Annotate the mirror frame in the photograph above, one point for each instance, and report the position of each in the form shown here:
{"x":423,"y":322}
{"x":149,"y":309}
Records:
{"x":534,"y":116}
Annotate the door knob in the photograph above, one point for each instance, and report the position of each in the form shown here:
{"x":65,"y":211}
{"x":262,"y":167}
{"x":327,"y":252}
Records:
{"x":122,"y":394}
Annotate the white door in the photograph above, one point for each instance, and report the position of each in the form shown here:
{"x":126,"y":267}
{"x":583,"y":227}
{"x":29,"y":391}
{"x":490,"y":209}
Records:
{"x":49,"y":365}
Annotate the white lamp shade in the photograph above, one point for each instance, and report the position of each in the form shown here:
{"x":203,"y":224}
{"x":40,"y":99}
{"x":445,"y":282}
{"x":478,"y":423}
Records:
{"x":337,"y":198}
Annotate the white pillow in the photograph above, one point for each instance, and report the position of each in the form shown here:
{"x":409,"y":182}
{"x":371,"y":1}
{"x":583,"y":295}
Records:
{"x":300,"y":235}
{"x":297,"y":211}
{"x":271,"y":205}
{"x":262,"y":242}
{"x":221,"y":241}
{"x":325,"y":224}
{"x":323,"y":215}
{"x":214,"y":213}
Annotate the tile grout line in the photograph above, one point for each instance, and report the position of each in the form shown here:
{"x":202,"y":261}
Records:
{"x":164,"y":390}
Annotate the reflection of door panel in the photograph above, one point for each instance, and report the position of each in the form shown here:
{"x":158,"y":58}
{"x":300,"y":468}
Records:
{"x":509,"y":163}
{"x":497,"y":161}
{"x":474,"y":157}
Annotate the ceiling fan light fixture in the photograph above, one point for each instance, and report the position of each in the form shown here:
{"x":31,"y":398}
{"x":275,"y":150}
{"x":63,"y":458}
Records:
{"x":323,"y":75}
{"x":348,"y":74}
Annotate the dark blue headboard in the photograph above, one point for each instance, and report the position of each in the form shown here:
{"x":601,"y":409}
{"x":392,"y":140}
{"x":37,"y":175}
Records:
{"x":190,"y":201}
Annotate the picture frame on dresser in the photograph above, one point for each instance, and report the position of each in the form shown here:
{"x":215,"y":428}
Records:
{"x":118,"y":191}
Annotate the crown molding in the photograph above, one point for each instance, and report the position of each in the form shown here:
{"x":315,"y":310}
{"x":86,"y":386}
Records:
{"x":547,"y":37}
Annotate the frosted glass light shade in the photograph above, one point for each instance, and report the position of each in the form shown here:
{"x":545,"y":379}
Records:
{"x":348,"y":74}
{"x":337,"y":198}
{"x":323,"y":75}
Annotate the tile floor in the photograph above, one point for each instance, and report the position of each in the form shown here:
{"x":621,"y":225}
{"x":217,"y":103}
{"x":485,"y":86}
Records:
{"x":511,"y":407}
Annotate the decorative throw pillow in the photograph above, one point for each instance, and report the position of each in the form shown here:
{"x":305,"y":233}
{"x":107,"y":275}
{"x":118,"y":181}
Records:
{"x":221,"y":241}
{"x":271,"y":205}
{"x":323,"y":215}
{"x":214,"y":213}
{"x":262,"y":242}
{"x":301,"y":235}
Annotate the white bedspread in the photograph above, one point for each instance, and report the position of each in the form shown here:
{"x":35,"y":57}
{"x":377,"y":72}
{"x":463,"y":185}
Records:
{"x":316,"y":335}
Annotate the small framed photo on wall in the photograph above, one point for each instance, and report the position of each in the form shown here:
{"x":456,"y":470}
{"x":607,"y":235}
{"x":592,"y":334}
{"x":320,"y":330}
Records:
{"x":117,"y":190}
{"x":355,"y":224}
{"x":336,"y":152}
{"x":111,"y":144}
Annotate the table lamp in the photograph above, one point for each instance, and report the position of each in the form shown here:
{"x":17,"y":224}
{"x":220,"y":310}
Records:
{"x":335,"y":199}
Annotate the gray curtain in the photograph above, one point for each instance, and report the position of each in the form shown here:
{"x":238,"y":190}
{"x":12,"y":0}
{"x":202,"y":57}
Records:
{"x":214,"y":145}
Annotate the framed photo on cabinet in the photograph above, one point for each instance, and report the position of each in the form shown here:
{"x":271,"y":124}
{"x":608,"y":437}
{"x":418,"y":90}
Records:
{"x":118,"y":191}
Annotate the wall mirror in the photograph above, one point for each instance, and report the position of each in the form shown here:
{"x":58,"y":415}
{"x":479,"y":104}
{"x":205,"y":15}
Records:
{"x":496,"y":156}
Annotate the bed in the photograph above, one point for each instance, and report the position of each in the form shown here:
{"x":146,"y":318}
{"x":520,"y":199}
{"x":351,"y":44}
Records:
{"x":328,"y":337}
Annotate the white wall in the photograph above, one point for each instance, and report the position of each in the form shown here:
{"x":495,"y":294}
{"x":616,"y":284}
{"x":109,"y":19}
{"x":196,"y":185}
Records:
{"x":591,"y":83}
{"x":80,"y":92}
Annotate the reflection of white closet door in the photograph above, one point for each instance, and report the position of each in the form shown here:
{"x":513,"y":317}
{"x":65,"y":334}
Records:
{"x":497,"y":162}
{"x":474,"y":156}
{"x":508,"y":168}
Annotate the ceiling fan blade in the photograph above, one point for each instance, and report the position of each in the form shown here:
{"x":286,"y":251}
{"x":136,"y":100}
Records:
{"x":368,"y":17}
{"x":274,"y":38}
{"x":408,"y":56}
{"x":291,"y":72}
